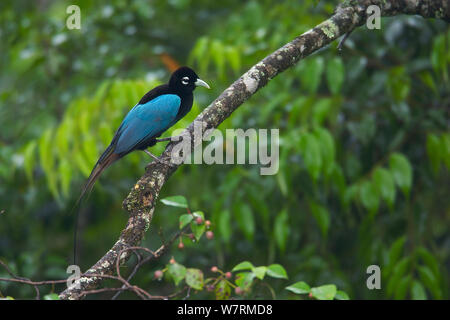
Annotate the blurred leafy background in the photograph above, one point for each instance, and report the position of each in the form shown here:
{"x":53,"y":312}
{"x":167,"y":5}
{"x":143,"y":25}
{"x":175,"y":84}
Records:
{"x":364,"y":155}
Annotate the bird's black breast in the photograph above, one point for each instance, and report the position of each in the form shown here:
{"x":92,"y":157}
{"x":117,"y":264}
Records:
{"x":154,"y":93}
{"x":186,"y":106}
{"x":186,"y":99}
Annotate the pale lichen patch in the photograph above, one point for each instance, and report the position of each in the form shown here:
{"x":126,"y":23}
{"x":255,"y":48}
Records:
{"x":251,"y":84}
{"x":87,"y":280}
{"x":330,"y":29}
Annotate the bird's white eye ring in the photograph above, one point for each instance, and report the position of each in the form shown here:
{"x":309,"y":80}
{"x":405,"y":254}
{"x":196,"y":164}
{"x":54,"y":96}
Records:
{"x":185,"y":80}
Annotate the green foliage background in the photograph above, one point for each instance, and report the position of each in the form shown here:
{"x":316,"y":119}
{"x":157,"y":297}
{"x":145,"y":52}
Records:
{"x":364,"y":154}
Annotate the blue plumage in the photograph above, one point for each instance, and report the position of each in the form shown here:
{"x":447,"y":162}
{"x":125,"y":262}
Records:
{"x":147,"y":120}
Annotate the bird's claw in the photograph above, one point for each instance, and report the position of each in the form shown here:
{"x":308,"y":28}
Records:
{"x":157,"y":160}
{"x":161,"y":162}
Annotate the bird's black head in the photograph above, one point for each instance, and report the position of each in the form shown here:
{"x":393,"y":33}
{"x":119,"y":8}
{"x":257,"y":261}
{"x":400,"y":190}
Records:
{"x":184,"y":80}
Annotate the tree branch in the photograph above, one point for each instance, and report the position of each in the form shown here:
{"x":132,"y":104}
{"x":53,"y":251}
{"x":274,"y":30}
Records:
{"x":140,"y":202}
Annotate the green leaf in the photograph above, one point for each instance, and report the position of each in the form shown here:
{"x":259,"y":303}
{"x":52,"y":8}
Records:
{"x":385,"y":185}
{"x":438,"y":55}
{"x":243,"y":266}
{"x":428,"y":80}
{"x":218,"y":55}
{"x":281,"y":179}
{"x":102,"y":91}
{"x":341,"y":295}
{"x":177,"y":271}
{"x":53,"y":184}
{"x":90,"y":150}
{"x":398,"y":83}
{"x":185,"y":219}
{"x":29,"y":159}
{"x":198,"y":229}
{"x":321,"y":215}
{"x":281,"y":229}
{"x":234,"y":57}
{"x":200,"y":53}
{"x":223,"y":290}
{"x":401,"y":171}
{"x":244,"y":279}
{"x":327,"y":148}
{"x":429,"y":280}
{"x":65,"y":173}
{"x":445,"y":143}
{"x":311,"y":153}
{"x":311,"y":73}
{"x":246,"y":221}
{"x":338,"y":179}
{"x":51,"y":296}
{"x":276,"y":271}
{"x":369,"y":196}
{"x":300,"y":287}
{"x":394,"y":253}
{"x":400,"y":270}
{"x":321,"y":109}
{"x":105,"y":133}
{"x":198,"y":214}
{"x":47,"y":160}
{"x":335,"y":74}
{"x":350,"y":195}
{"x":259,"y":272}
{"x":434,"y":151}
{"x":82,"y":164}
{"x":429,"y":260}
{"x":224,"y":225}
{"x":418,"y":291}
{"x":194,"y":278}
{"x":326,"y":292}
{"x":175,"y":201}
{"x":402,"y":288}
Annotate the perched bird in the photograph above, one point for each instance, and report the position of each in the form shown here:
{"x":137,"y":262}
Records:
{"x":157,"y":111}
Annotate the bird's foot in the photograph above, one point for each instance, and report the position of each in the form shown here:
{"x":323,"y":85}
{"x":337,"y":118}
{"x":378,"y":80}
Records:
{"x":174,"y":138}
{"x":342,"y":41}
{"x":157,"y":160}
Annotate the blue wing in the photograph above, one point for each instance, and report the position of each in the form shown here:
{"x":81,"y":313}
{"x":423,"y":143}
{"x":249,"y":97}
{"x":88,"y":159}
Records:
{"x":145,"y":121}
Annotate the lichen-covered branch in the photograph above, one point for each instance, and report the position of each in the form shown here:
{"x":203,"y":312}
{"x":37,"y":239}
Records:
{"x":140,"y":203}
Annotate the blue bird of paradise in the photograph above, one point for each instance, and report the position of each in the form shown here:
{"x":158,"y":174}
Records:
{"x":157,"y":111}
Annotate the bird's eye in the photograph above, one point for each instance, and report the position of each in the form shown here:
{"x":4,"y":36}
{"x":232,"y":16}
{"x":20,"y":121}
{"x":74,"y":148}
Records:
{"x":185,"y":80}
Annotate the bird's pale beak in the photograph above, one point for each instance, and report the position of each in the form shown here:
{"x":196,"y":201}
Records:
{"x":202,"y":83}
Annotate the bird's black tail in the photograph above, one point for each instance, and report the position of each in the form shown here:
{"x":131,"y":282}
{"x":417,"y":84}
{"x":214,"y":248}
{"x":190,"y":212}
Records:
{"x":105,"y":160}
